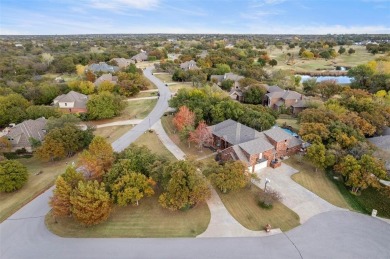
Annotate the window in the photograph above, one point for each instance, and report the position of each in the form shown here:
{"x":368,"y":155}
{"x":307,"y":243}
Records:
{"x":66,"y":104}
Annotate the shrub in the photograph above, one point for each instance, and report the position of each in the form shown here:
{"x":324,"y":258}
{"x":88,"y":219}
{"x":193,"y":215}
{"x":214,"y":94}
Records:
{"x":268,"y":198}
{"x":13,"y":175}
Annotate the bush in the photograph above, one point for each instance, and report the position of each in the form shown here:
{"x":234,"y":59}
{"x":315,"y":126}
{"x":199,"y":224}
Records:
{"x":13,"y":175}
{"x":268,"y":198}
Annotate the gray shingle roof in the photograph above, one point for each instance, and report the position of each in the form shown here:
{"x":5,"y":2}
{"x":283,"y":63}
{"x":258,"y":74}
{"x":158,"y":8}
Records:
{"x":300,"y":104}
{"x":277,"y":134}
{"x":234,"y":132}
{"x":188,"y":65}
{"x":256,"y":146}
{"x":240,"y":155}
{"x":20,"y":134}
{"x":103,"y":67}
{"x":106,"y":77}
{"x":293,"y":142}
{"x":140,"y":56}
{"x":285,"y":94}
{"x":273,"y":88}
{"x":80,"y":100}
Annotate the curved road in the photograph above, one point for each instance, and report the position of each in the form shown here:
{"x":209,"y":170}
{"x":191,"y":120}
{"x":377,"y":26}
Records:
{"x":158,"y":111}
{"x":336,"y":234}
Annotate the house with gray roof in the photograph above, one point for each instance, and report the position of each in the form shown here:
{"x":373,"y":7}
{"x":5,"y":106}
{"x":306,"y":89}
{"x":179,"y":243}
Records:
{"x":276,"y":98}
{"x":235,"y":141}
{"x":21,"y":134}
{"x":72,"y":102}
{"x":102,"y":67}
{"x":189,"y":65}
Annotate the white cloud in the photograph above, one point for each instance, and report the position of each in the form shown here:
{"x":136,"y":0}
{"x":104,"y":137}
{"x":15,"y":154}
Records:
{"x":121,"y":4}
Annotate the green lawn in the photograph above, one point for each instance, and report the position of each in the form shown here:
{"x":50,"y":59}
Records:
{"x":151,"y":141}
{"x":242,"y":205}
{"x":317,"y":182}
{"x":149,"y":219}
{"x":289,"y":121}
{"x":112,"y":133}
{"x":191,"y":151}
{"x":174,"y":87}
{"x":36,"y":184}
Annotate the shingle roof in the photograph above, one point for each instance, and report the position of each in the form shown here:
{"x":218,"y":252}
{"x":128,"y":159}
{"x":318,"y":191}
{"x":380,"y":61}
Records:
{"x":240,"y":155}
{"x":106,"y":77}
{"x":219,"y":78}
{"x":79,"y":100}
{"x":22,"y":132}
{"x":103,"y":67}
{"x":382,"y":142}
{"x":293,"y":142}
{"x":233,"y":77}
{"x":256,"y":146}
{"x":300,"y":104}
{"x":285,"y":94}
{"x":273,"y":88}
{"x":277,"y":134}
{"x":188,"y":65}
{"x":234,"y":132}
{"x":140,"y":56}
{"x":123,"y":62}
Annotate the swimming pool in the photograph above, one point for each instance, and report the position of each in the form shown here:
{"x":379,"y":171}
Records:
{"x":291,"y":133}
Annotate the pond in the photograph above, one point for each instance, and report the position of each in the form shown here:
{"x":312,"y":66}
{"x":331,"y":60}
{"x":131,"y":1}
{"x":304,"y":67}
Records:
{"x":339,"y":79}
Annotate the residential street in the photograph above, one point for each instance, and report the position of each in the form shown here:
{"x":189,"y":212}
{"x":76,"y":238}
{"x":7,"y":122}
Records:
{"x":161,"y":106}
{"x":332,"y":234}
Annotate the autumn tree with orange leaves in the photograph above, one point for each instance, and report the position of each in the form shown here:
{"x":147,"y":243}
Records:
{"x":184,"y":118}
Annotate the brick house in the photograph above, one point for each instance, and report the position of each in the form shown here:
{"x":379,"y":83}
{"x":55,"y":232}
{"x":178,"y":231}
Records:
{"x":276,"y":98}
{"x":235,"y":141}
{"x":72,"y":102}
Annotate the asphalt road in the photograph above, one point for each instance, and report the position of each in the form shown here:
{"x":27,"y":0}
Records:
{"x":161,"y":106}
{"x":336,"y":234}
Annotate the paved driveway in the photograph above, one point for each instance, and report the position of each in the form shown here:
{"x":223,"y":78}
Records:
{"x":302,"y":201}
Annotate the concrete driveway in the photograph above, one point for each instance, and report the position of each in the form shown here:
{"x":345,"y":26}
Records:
{"x":302,"y":201}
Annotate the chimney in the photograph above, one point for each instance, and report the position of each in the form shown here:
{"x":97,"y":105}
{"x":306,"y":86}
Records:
{"x":238,"y":132}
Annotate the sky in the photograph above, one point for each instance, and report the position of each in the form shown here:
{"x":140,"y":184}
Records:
{"x":50,"y":17}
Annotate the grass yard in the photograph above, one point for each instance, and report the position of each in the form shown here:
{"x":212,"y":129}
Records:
{"x":36,"y":184}
{"x":151,"y":141}
{"x":174,"y":87}
{"x":242,"y":205}
{"x":165,"y":77}
{"x":189,"y":151}
{"x":289,"y":121}
{"x":138,"y":109}
{"x":145,"y":94}
{"x":149,"y":219}
{"x":317,"y":182}
{"x":112,"y":133}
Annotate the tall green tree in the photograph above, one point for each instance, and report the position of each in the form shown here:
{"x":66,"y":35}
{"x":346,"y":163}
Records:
{"x":104,"y":105}
{"x":13,"y":175}
{"x":231,"y":176}
{"x":317,"y":155}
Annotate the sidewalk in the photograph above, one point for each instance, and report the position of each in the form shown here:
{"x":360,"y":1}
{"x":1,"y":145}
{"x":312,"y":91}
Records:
{"x":168,"y":143}
{"x":119,"y":123}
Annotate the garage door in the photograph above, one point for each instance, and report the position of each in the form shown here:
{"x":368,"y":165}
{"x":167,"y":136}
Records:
{"x":261,"y":165}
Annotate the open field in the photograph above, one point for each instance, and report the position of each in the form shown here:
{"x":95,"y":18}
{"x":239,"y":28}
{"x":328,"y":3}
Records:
{"x":191,"y":151}
{"x":112,"y":133}
{"x":288,"y":120}
{"x":361,"y":56}
{"x":174,"y":87}
{"x":36,"y":184}
{"x":151,"y":141}
{"x":148,"y":219}
{"x":165,"y":77}
{"x":243,"y":206}
{"x":317,"y":182}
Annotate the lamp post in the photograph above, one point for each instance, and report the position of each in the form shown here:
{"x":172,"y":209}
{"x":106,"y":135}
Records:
{"x":267,"y":181}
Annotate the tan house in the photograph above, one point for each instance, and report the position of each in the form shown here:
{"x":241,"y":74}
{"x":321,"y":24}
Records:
{"x":189,"y":65}
{"x":276,"y":98}
{"x":106,"y":77}
{"x":143,"y":56}
{"x":235,"y":141}
{"x":21,"y":134}
{"x":123,"y":62}
{"x":228,"y":76}
{"x":72,"y":102}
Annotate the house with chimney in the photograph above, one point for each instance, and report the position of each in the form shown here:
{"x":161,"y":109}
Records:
{"x":276,"y":98}
{"x":22,"y":134}
{"x":235,"y":141}
{"x":72,"y":102}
